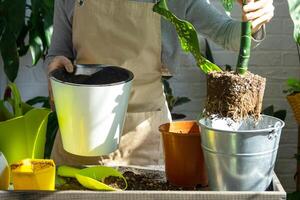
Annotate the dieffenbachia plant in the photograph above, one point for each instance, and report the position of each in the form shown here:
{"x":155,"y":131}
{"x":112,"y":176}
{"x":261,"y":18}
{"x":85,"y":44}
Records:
{"x":294,"y":7}
{"x":187,"y":35}
{"x":189,"y":41}
{"x":245,"y":46}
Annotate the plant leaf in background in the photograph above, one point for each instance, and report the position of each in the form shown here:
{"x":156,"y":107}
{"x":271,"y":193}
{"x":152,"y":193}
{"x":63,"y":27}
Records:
{"x":293,"y":86}
{"x":294,"y":7}
{"x":10,"y":55}
{"x":293,"y":196}
{"x":187,"y":35}
{"x":36,"y":46}
{"x":14,"y":13}
{"x":228,"y":4}
{"x":181,"y":100}
{"x":280,"y":114}
{"x":48,"y":20}
{"x":15,"y":26}
{"x":12,"y":20}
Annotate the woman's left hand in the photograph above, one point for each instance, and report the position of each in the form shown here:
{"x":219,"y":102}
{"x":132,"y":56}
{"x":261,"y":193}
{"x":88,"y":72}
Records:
{"x":258,"y":12}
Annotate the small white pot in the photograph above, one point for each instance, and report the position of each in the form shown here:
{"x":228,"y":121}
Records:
{"x":4,"y":173}
{"x":91,"y":117}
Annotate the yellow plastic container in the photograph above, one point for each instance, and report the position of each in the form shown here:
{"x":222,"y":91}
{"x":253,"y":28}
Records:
{"x":34,"y":174}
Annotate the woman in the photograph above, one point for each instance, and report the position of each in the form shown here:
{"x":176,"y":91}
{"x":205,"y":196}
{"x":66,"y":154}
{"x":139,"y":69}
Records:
{"x":128,"y":34}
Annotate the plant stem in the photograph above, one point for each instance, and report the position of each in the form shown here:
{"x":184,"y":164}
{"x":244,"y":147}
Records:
{"x":245,"y":48}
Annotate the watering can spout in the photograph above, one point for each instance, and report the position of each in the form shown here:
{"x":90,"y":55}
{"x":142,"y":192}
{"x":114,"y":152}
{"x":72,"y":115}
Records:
{"x":27,"y":135}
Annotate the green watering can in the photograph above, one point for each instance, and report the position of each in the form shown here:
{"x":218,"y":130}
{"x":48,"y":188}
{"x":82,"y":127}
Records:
{"x":23,"y":132}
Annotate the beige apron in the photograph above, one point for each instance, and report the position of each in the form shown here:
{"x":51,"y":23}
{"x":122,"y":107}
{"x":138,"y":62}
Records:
{"x":128,"y":34}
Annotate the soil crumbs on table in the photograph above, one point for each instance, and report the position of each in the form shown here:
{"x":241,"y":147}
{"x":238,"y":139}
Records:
{"x":135,"y":181}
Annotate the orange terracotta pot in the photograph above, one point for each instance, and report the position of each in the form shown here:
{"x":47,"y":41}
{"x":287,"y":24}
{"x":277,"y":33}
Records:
{"x":184,"y":160}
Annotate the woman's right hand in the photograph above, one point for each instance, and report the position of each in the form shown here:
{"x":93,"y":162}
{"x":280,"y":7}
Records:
{"x":56,"y":63}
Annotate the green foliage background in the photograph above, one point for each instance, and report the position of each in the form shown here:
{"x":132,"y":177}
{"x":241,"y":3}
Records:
{"x":24,"y":27}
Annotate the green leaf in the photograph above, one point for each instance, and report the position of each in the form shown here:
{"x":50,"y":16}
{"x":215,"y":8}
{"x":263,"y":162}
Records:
{"x":294,"y":7}
{"x":293,"y":196}
{"x":14,"y":12}
{"x":167,"y":88}
{"x":66,"y":171}
{"x":187,"y":35}
{"x":10,"y":55}
{"x":228,"y":4}
{"x":181,"y":100}
{"x":36,"y":46}
{"x":22,"y":47}
{"x":49,"y":4}
{"x":48,"y":20}
{"x":2,"y":27}
{"x":293,"y":86}
{"x":48,"y":28}
{"x":39,"y":99}
{"x":281,"y":114}
{"x":269,"y":111}
{"x":91,"y":177}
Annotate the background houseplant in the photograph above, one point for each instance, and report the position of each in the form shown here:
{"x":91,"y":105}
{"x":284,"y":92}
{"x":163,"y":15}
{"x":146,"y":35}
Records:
{"x":27,"y":26}
{"x":24,"y":26}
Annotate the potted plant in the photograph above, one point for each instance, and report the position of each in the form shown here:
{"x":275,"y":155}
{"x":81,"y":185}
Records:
{"x":23,"y":130}
{"x":234,"y":101}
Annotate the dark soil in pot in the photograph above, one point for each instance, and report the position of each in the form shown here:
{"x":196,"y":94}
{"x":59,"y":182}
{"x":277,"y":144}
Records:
{"x":103,"y":76}
{"x":234,"y":96}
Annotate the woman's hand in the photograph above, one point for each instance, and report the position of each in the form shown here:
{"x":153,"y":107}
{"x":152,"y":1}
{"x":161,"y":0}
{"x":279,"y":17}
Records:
{"x":258,"y":12}
{"x":56,"y":63}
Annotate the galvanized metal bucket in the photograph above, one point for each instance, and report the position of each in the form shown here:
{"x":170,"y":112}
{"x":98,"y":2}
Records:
{"x":241,"y":160}
{"x":91,"y":116}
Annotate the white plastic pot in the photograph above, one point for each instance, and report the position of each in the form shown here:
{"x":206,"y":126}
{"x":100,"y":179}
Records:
{"x":91,"y":116}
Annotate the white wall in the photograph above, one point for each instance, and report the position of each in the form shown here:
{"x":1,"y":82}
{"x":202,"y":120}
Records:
{"x":276,"y":58}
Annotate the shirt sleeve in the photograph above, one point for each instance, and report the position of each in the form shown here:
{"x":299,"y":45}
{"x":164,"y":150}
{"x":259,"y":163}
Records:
{"x":61,"y":41}
{"x":211,"y":23}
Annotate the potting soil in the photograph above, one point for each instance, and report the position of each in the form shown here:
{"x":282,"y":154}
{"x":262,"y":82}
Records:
{"x":106,"y":75}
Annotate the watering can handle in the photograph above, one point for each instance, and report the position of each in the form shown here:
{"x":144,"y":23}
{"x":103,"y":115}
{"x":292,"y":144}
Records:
{"x":13,"y":97}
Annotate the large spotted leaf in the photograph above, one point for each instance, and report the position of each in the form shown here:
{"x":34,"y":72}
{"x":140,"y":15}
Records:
{"x":228,"y":4}
{"x":187,"y":35}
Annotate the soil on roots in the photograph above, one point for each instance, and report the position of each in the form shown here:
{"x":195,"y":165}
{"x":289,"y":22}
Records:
{"x":234,"y":96}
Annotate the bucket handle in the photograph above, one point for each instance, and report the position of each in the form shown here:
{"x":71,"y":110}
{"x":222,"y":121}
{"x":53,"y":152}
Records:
{"x":274,"y":133}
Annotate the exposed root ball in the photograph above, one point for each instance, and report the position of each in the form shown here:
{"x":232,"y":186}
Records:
{"x":234,"y":96}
